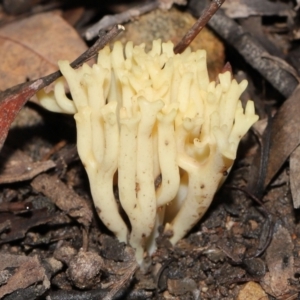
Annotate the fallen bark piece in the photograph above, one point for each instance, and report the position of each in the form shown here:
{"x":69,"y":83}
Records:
{"x":63,"y":197}
{"x":29,"y":271}
{"x":19,"y":167}
{"x":19,"y":225}
{"x":295,"y":177}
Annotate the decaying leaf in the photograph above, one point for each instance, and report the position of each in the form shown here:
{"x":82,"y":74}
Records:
{"x":285,"y":136}
{"x":30,"y":48}
{"x":280,"y":263}
{"x":29,"y":271}
{"x":295,"y":176}
{"x":11,"y":101}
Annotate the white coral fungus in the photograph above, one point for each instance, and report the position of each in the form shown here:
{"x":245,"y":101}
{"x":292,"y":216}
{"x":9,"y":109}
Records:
{"x":149,"y":116}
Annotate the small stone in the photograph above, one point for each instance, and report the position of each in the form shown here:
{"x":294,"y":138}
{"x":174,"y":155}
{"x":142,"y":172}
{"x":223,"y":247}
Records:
{"x":85,"y":270}
{"x":252,"y":291}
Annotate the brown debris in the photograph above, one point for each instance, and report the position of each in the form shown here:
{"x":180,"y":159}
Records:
{"x":19,"y":167}
{"x":179,"y":287}
{"x":126,"y":271}
{"x":65,"y":254}
{"x":280,"y":263}
{"x":29,"y":271}
{"x":19,"y":225}
{"x":65,"y":198}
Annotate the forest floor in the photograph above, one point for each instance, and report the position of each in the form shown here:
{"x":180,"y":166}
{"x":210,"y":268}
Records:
{"x":52,"y":243}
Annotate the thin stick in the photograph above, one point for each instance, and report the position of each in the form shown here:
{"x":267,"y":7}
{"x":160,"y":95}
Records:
{"x":110,"y":20}
{"x":198,"y":26}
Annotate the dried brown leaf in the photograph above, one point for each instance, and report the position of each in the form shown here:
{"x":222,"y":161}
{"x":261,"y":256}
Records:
{"x":31,"y":47}
{"x":19,"y":167}
{"x":285,"y":136}
{"x":280,"y":261}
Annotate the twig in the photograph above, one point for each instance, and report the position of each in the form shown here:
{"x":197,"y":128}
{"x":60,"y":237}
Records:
{"x":250,"y":195}
{"x":110,"y":20}
{"x":198,"y":26}
{"x":259,"y":187}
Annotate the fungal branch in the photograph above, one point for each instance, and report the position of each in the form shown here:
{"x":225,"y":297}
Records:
{"x":145,"y":116}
